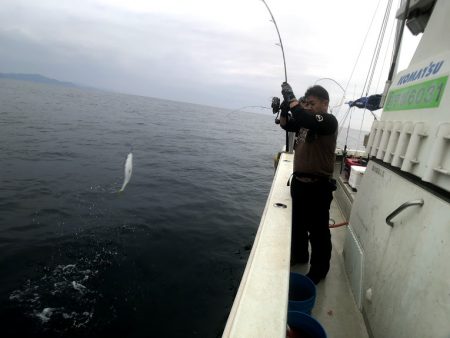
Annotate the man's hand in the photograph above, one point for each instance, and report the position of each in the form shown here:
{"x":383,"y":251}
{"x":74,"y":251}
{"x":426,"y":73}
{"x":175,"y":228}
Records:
{"x":287,"y":92}
{"x":284,"y":107}
{"x":284,"y":115}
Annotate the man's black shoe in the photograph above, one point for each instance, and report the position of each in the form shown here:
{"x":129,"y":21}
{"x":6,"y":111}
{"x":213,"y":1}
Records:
{"x":315,"y":278}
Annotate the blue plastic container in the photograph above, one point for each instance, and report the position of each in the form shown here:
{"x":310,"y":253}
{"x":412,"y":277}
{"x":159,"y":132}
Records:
{"x":303,"y":325}
{"x":302,"y":293}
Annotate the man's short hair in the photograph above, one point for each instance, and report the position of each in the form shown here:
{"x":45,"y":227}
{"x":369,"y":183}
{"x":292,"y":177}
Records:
{"x":318,"y":91}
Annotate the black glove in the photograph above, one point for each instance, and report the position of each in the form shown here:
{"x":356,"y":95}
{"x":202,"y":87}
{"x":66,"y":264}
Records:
{"x":284,"y":107}
{"x":287,"y":92}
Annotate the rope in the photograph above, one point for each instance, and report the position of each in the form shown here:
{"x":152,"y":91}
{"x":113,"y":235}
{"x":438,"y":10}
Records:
{"x":374,"y":62}
{"x":397,"y":43}
{"x":362,"y":46}
{"x":376,"y":53}
{"x":386,"y":54}
{"x":354,"y":68}
{"x":372,"y":67}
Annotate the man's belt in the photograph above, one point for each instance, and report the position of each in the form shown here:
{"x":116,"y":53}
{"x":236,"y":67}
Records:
{"x":310,"y":178}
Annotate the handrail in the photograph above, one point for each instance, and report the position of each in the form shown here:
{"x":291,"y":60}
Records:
{"x":401,"y":208}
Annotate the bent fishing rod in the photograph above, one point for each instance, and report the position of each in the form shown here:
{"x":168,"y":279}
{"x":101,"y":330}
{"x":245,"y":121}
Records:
{"x":276,"y":107}
{"x":279,"y":38}
{"x":275,"y":100}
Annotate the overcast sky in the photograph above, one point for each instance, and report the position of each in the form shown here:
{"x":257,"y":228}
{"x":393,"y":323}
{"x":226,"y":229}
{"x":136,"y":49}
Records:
{"x":215,"y":52}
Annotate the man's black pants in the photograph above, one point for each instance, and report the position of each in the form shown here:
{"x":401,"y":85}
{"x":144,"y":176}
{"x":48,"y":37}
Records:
{"x":310,"y":220}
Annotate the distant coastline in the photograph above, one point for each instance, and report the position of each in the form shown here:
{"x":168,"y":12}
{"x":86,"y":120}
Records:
{"x":36,"y":78}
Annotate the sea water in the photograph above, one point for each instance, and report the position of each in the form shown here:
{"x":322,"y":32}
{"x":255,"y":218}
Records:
{"x":162,"y":259}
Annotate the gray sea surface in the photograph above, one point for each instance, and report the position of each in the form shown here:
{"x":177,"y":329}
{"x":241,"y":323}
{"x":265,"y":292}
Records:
{"x":162,"y":259}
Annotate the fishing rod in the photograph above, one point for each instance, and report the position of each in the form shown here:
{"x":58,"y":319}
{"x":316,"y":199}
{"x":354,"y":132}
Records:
{"x":279,"y":38}
{"x":276,"y":107}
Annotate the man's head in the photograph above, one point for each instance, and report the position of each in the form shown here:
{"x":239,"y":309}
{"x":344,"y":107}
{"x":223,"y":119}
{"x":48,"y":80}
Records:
{"x":316,"y":100}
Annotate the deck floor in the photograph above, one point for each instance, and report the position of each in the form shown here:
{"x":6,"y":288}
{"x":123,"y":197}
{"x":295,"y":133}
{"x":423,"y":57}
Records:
{"x":335,"y":306}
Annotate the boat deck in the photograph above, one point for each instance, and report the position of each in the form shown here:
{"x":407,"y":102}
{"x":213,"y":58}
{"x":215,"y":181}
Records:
{"x":335,"y":306}
{"x":260,"y":307}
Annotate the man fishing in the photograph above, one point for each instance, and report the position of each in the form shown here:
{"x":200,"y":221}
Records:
{"x":312,"y":185}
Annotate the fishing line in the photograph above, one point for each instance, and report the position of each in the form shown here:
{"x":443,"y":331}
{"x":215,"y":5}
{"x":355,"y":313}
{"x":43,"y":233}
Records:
{"x":279,"y":38}
{"x":245,"y":107}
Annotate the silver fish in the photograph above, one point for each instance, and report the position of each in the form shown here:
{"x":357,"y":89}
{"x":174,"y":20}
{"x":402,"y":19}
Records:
{"x":128,"y":171}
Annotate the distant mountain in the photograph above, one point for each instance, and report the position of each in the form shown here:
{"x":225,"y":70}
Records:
{"x":35,"y":78}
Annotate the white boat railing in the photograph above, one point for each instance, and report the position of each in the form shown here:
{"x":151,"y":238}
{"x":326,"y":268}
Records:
{"x":260,"y":307}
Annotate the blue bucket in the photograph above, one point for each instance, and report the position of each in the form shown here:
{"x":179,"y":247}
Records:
{"x":302,"y":293}
{"x":303,"y":325}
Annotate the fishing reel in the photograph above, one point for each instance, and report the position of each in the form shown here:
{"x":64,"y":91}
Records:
{"x":276,"y":107}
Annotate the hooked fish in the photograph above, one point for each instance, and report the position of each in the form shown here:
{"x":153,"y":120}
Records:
{"x":128,"y":171}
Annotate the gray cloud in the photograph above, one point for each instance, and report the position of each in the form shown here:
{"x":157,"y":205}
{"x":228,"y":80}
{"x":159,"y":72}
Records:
{"x":144,"y":54}
{"x":175,"y":54}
